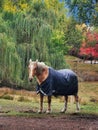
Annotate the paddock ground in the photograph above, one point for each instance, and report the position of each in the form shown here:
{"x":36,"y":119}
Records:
{"x":50,"y":122}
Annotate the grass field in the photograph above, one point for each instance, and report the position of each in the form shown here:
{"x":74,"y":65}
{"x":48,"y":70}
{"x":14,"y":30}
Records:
{"x":15,"y":102}
{"x":85,"y":71}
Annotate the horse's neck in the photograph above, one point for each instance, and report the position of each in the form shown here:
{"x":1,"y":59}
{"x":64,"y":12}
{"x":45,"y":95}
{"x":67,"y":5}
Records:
{"x":42,"y":77}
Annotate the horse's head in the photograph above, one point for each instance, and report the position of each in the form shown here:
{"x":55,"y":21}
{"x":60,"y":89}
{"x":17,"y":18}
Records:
{"x":32,"y":69}
{"x":35,"y":68}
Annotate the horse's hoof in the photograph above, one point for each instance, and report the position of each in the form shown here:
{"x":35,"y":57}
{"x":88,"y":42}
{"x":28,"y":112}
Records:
{"x":77,"y":111}
{"x":39,"y":111}
{"x":48,"y":111}
{"x":63,"y":111}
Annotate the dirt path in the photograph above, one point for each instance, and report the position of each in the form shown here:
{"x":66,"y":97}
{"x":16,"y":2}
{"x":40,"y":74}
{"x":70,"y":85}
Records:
{"x":64,"y":122}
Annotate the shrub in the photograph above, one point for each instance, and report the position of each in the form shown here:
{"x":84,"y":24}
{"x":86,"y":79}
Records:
{"x":23,"y":99}
{"x":9,"y":97}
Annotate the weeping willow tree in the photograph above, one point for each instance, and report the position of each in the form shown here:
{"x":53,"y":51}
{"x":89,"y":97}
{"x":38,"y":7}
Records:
{"x":10,"y":65}
{"x":35,"y":27}
{"x":30,"y":34}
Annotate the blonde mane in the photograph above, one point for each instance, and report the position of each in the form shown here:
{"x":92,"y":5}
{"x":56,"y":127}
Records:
{"x":41,"y":66}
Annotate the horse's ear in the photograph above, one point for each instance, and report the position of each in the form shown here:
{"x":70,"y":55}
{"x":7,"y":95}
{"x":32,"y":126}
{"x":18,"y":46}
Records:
{"x":30,"y":60}
{"x":36,"y":60}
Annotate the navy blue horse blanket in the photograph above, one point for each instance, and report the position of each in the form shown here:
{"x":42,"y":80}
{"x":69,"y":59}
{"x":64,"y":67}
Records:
{"x":59,"y":82}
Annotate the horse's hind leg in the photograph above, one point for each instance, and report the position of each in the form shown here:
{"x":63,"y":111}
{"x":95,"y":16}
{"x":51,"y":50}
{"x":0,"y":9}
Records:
{"x":77,"y":103}
{"x":65,"y":104}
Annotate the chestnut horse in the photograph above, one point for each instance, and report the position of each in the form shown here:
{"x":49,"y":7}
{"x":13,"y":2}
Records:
{"x":53,"y":82}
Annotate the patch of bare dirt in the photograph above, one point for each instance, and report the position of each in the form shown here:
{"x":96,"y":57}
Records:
{"x":50,"y":122}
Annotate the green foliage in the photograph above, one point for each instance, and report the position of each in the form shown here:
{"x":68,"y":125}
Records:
{"x":73,"y":36}
{"x":85,"y":11}
{"x":10,"y":62}
{"x":28,"y":29}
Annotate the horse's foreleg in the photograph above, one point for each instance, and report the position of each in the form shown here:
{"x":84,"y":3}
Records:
{"x":41,"y":104}
{"x":77,"y":103}
{"x":65,"y":104}
{"x":49,"y":104}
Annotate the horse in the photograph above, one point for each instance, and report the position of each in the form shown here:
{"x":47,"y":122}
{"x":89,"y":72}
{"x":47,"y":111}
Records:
{"x":51,"y":82}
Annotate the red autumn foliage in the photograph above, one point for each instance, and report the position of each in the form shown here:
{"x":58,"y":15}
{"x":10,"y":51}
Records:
{"x":89,"y":50}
